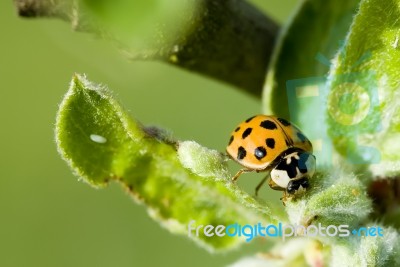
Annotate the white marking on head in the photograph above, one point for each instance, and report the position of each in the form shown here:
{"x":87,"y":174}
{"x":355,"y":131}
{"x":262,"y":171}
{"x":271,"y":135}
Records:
{"x":280,"y":177}
{"x":289,"y":157}
{"x":298,"y":173}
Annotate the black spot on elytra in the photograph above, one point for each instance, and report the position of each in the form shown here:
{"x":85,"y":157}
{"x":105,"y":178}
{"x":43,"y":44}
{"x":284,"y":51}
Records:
{"x":270,"y":142}
{"x":284,"y":122}
{"x":301,"y":137}
{"x":260,"y":152}
{"x":237,"y":129}
{"x":249,"y":119}
{"x":241,"y":153}
{"x":246,"y":133}
{"x":230,"y":140}
{"x":269,"y":125}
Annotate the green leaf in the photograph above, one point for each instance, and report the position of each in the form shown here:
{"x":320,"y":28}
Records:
{"x":363,"y":106}
{"x":368,"y":250}
{"x":296,"y":252}
{"x":101,"y":142}
{"x":334,"y":199}
{"x":315,"y":31}
{"x":352,"y":250}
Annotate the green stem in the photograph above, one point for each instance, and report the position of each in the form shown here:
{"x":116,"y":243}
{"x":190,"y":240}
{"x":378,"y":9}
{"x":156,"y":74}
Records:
{"x":230,"y":40}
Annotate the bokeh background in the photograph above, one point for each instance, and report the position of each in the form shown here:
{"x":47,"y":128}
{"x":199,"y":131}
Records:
{"x":48,"y":217}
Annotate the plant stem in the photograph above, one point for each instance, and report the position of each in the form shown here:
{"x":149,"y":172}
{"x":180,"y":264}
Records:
{"x":229,"y":40}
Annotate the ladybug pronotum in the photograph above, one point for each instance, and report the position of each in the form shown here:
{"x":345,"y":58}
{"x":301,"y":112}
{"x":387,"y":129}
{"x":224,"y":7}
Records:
{"x":268,"y":143}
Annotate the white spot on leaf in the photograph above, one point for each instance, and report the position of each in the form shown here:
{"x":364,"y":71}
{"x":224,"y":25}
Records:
{"x":98,"y":138}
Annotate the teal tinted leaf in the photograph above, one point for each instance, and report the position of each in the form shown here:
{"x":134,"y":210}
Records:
{"x":363,"y":106}
{"x":315,"y":32}
{"x":177,"y":181}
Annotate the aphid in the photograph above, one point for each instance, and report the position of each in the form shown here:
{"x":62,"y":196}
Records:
{"x":268,"y":143}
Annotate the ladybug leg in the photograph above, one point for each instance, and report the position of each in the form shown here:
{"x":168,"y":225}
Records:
{"x":261,"y":184}
{"x":234,"y":178}
{"x":284,"y":198}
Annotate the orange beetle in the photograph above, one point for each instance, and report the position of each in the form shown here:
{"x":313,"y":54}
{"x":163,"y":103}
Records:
{"x":268,"y":143}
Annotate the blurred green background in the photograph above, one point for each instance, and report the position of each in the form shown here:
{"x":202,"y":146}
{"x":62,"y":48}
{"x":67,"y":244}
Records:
{"x":48,"y":217}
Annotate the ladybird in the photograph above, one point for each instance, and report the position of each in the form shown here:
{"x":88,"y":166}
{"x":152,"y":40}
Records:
{"x":269,"y":143}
